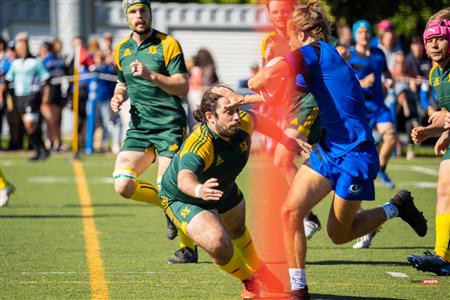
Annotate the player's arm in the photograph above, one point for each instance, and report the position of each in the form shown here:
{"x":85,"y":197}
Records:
{"x":267,"y":127}
{"x":442,"y":143}
{"x":236,"y":98}
{"x":120,"y":95}
{"x":421,"y":133}
{"x":189,"y":184}
{"x":263,"y":77}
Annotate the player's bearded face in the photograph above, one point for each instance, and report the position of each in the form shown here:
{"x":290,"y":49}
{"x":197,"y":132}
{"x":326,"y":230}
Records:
{"x":227,"y":120}
{"x":139,"y":19}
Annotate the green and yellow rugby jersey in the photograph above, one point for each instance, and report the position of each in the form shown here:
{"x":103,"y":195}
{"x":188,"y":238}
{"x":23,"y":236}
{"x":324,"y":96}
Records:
{"x":151,"y":107}
{"x":208,"y":156}
{"x":440,"y":82}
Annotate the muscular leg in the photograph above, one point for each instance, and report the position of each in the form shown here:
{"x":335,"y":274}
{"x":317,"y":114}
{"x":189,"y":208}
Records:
{"x":387,"y":131}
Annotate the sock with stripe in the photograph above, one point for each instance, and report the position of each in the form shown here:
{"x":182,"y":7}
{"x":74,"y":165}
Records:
{"x":185,"y":241}
{"x":146,"y":192}
{"x":236,"y":266}
{"x":245,"y":244}
{"x":443,"y":236}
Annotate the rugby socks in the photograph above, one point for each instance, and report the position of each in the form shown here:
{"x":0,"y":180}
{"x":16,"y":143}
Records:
{"x":245,"y":244}
{"x":443,"y":236}
{"x":146,"y":192}
{"x":3,"y":182}
{"x":298,"y":279}
{"x":390,"y":210}
{"x":185,"y":241}
{"x":236,"y":266}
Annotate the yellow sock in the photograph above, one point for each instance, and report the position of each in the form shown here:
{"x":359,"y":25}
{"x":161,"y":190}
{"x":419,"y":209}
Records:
{"x":185,"y":241}
{"x":3,"y":182}
{"x":245,"y":244}
{"x":146,"y":192}
{"x":442,"y":246}
{"x":237,"y":266}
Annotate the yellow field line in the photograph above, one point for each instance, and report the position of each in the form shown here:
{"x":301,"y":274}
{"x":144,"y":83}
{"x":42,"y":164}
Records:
{"x":99,"y":289}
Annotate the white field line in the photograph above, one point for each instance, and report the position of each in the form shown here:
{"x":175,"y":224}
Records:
{"x":398,"y":274}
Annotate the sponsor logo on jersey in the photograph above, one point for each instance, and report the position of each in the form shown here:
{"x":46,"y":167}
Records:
{"x":243,"y":146}
{"x":185,"y":212}
{"x":152,"y":49}
{"x":127,"y":52}
{"x":219,"y":160}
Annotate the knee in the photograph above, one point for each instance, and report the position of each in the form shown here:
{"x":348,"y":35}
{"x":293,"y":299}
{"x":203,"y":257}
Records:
{"x":221,"y":249}
{"x":291,"y":216}
{"x":124,"y":187}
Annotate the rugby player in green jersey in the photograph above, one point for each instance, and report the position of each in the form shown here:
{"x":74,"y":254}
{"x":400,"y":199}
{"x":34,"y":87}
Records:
{"x":437,"y":44}
{"x":201,"y":196}
{"x":152,"y":73}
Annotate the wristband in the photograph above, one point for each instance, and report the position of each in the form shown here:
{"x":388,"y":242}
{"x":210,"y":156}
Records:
{"x":197,"y":190}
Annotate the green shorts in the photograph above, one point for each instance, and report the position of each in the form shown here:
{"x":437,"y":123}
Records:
{"x":166,"y":142}
{"x":305,"y":119}
{"x":446,"y":154}
{"x":181,"y":213}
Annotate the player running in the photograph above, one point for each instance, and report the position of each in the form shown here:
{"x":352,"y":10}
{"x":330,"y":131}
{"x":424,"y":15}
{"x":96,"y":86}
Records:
{"x":200,"y":193}
{"x":437,"y":39}
{"x":345,"y":160}
{"x":152,"y":73}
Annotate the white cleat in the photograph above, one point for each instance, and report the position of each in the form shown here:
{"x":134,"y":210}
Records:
{"x":311,"y":227}
{"x":365,"y":240}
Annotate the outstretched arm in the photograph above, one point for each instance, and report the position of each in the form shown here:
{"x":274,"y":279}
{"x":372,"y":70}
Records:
{"x":189,"y":184}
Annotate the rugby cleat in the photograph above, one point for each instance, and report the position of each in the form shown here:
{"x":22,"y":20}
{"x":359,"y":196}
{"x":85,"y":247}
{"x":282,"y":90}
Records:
{"x":268,"y":280}
{"x":171,"y":229}
{"x":387,"y":182}
{"x":365,"y":240}
{"x":311,"y":224}
{"x":301,"y":294}
{"x":250,"y":289}
{"x":409,"y":212}
{"x":430,"y":263}
{"x":184,"y":255}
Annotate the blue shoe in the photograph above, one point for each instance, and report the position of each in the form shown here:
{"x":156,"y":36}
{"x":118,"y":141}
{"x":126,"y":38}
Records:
{"x":430,"y":263}
{"x":386,"y":180}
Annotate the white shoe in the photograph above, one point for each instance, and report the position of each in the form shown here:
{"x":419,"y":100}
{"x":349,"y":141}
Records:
{"x":4,"y":194}
{"x":311,"y":227}
{"x":365,"y":240}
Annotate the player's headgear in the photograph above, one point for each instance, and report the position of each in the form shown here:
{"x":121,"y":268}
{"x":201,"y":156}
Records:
{"x":361,"y":24}
{"x":126,"y":4}
{"x":437,"y":28}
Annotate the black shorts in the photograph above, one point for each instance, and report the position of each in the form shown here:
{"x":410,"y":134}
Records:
{"x":28,"y":104}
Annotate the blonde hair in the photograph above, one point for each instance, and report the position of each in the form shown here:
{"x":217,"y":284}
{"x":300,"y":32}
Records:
{"x":442,"y":14}
{"x":309,"y":18}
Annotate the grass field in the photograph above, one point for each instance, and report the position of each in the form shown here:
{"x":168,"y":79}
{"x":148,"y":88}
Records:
{"x":63,"y":240}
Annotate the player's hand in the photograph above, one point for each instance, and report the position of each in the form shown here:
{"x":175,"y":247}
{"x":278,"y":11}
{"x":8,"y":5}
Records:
{"x":209,"y":192}
{"x":116,"y":102}
{"x":368,"y":81}
{"x":139,"y":70}
{"x":447,"y":121}
{"x":296,"y":145}
{"x":419,"y":134}
{"x":235,"y":98}
{"x":442,"y":143}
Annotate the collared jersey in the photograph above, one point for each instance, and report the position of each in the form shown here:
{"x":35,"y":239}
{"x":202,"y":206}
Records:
{"x":364,"y":65}
{"x":440,"y":82}
{"x":274,"y":45}
{"x":338,"y":94}
{"x":209,"y":156}
{"x":151,"y":107}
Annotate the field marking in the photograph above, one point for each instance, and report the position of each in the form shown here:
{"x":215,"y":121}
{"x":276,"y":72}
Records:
{"x":99,"y":288}
{"x":398,"y":274}
{"x":67,"y":180}
{"x":415,"y":168}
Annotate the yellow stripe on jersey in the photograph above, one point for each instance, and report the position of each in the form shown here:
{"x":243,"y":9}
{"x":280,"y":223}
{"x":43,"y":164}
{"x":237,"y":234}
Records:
{"x":200,"y":143}
{"x":431,"y":73}
{"x":117,"y":52}
{"x":264,"y":43}
{"x":305,"y":128}
{"x":171,"y":48}
{"x":246,"y":122}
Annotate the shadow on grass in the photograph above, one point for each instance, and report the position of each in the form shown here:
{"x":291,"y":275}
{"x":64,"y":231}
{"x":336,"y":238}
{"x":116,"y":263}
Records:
{"x":355,"y":262}
{"x":330,"y":297}
{"x":60,"y":216}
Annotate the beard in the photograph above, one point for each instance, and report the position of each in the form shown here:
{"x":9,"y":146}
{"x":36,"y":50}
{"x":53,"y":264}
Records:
{"x":229,"y":132}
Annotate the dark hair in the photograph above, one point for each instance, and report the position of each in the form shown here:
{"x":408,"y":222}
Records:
{"x":208,"y":103}
{"x":47,"y":46}
{"x":292,"y":2}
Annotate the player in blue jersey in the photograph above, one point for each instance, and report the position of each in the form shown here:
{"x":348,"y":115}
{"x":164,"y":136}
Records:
{"x":345,"y":160}
{"x":369,"y":64}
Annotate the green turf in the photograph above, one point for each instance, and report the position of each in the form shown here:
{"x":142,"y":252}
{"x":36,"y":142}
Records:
{"x":43,"y":253}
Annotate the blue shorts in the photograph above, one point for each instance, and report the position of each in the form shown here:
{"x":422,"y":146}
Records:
{"x":381,"y":115}
{"x":351,"y":174}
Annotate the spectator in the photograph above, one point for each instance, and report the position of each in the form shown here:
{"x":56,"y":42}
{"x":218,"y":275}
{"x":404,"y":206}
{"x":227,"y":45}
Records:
{"x":382,"y":27}
{"x":345,"y":37}
{"x":387,"y":44}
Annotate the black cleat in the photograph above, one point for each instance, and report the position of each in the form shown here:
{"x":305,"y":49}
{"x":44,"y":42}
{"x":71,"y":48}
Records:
{"x":301,"y":294}
{"x":171,"y":229}
{"x":184,"y":255}
{"x":430,"y":263}
{"x":41,"y":155}
{"x":409,"y":212}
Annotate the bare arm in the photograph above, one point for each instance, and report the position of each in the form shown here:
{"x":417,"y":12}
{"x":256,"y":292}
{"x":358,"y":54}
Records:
{"x":119,"y":96}
{"x":420,"y":134}
{"x":262,"y":78}
{"x":189,"y":184}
